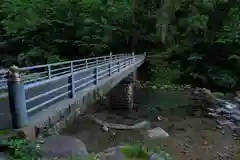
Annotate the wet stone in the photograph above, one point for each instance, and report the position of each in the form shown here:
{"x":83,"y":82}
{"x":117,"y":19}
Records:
{"x":223,"y":111}
{"x":63,"y":146}
{"x":157,"y":133}
{"x":213,"y":115}
{"x":223,"y":122}
{"x":211,"y":109}
{"x":219,"y":127}
{"x":236,"y":117}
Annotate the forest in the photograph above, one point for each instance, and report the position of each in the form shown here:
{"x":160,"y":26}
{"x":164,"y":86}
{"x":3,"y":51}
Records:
{"x":193,"y":42}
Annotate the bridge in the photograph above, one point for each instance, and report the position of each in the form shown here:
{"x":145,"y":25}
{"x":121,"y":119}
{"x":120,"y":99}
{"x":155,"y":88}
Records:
{"x":43,"y":95}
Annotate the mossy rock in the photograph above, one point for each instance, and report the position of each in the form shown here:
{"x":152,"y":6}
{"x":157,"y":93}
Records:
{"x":132,"y":152}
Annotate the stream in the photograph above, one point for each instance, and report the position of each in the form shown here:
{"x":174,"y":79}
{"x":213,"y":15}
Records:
{"x":192,"y":133}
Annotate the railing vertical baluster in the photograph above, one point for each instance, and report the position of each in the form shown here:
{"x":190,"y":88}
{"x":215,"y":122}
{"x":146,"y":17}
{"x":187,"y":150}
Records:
{"x":86,"y":63}
{"x":96,"y":74}
{"x":110,"y":64}
{"x":124,"y":61}
{"x":105,"y":59}
{"x":72,"y":81}
{"x":17,"y":99}
{"x":49,"y":72}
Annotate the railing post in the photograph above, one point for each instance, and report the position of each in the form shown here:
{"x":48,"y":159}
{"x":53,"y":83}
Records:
{"x":133,"y":57}
{"x":129,"y":58}
{"x":118,"y":63}
{"x":124,"y":61}
{"x":49,"y":72}
{"x":145,"y":54}
{"x":72,"y":81}
{"x":96,"y":74}
{"x":110,"y":64}
{"x":17,"y":100}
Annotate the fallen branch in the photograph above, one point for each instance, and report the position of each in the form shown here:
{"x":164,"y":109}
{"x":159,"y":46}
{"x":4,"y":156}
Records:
{"x":140,"y":125}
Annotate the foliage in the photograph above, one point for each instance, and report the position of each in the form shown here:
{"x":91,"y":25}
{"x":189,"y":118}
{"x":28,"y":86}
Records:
{"x":138,"y":151}
{"x":162,"y":72}
{"x":197,"y":42}
{"x":21,"y":149}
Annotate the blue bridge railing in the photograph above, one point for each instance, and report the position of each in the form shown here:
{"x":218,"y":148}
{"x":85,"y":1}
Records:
{"x":32,"y":89}
{"x":42,"y":72}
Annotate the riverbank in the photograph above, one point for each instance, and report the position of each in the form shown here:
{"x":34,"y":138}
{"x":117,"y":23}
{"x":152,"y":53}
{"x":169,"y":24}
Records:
{"x":187,"y":131}
{"x":192,"y":134}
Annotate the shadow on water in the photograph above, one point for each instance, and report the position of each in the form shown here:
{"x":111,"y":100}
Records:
{"x":192,"y":136}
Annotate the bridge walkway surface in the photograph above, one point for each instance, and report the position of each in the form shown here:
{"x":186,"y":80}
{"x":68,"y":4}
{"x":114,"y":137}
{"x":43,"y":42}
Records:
{"x":50,"y":90}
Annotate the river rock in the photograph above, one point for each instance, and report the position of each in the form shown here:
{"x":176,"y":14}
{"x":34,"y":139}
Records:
{"x":111,"y":154}
{"x":213,"y":115}
{"x":157,"y":133}
{"x":155,"y":156}
{"x":63,"y":146}
{"x":154,"y":87}
{"x":105,"y":129}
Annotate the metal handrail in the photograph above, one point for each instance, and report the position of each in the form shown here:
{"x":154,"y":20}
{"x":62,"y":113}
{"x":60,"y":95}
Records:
{"x":92,"y":78}
{"x":48,"y":71}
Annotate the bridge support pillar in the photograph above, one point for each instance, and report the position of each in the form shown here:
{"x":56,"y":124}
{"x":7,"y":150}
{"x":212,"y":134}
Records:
{"x":17,"y":100}
{"x":122,"y":96}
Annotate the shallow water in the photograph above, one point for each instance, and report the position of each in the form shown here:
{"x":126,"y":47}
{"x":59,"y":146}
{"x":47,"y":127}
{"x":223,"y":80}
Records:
{"x":192,"y":136}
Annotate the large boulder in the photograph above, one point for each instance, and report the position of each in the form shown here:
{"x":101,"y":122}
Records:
{"x":63,"y":146}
